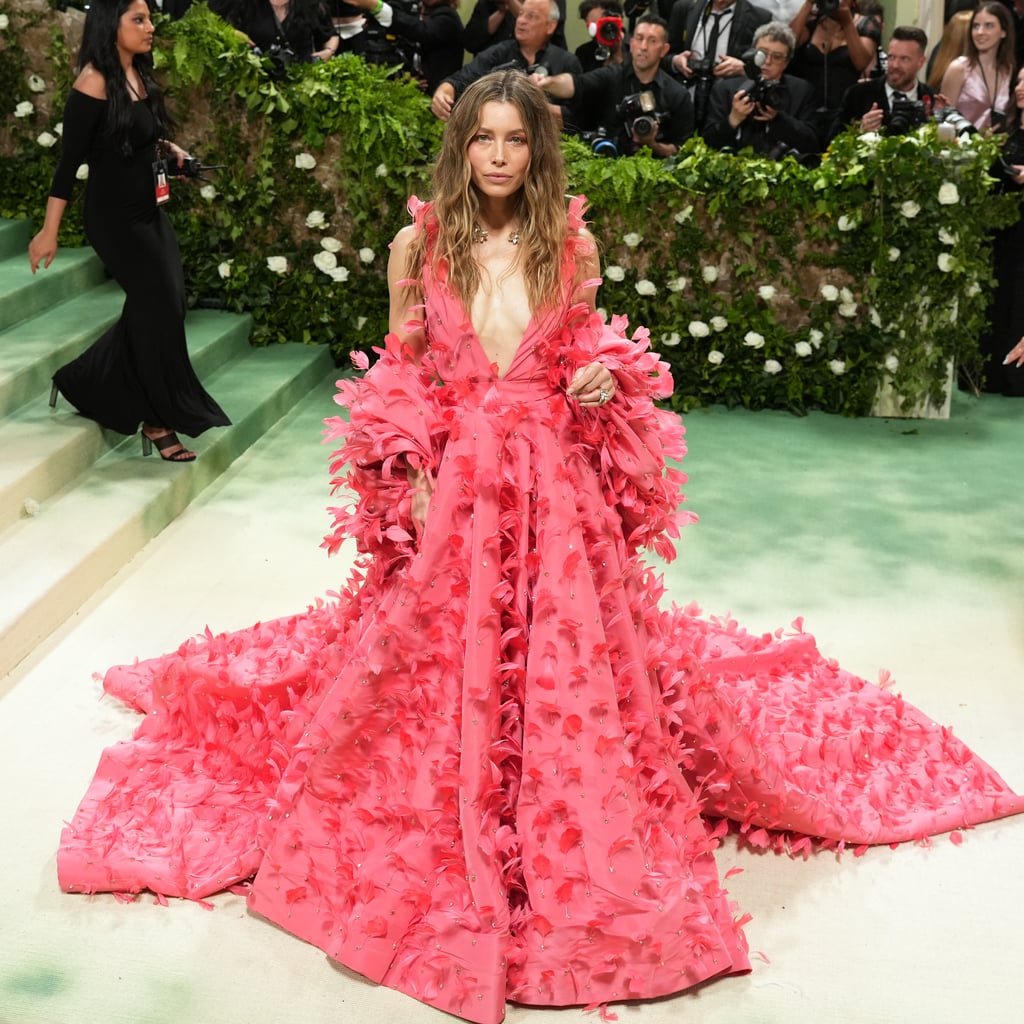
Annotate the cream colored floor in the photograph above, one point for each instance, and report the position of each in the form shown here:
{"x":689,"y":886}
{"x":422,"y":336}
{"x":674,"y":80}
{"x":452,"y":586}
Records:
{"x":902,"y":550}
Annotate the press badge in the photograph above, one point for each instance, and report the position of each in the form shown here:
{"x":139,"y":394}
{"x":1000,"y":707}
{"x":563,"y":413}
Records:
{"x":163,"y":189}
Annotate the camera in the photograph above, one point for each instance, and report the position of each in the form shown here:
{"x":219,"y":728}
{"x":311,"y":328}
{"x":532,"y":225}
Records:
{"x":764,"y":92}
{"x":827,"y":8}
{"x":906,"y":115}
{"x":599,"y":142}
{"x":638,"y":111}
{"x":701,"y":80}
{"x":954,"y":123}
{"x":607,"y":31}
{"x":190,"y":167}
{"x":281,"y":58}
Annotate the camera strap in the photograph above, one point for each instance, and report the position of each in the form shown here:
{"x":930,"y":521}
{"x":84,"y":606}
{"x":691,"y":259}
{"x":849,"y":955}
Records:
{"x":711,"y":38}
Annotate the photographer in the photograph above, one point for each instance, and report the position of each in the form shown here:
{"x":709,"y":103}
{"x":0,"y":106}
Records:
{"x":773,"y":113}
{"x":634,"y":105}
{"x":285,"y":30}
{"x":707,"y":41}
{"x":871,"y":105}
{"x":598,"y":51}
{"x":531,"y":51}
{"x":432,"y":27}
{"x":494,"y":21}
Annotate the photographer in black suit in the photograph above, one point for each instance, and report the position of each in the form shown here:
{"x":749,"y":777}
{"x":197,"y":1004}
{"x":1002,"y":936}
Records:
{"x":871,"y":104}
{"x":772,"y":114}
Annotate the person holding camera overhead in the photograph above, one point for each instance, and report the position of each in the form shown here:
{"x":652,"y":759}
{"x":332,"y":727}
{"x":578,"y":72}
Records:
{"x":898,"y":102}
{"x":604,"y":45}
{"x":770,"y":112}
{"x":436,"y":32}
{"x":115,"y":121}
{"x":531,"y":51}
{"x":293,"y":30}
{"x":633,"y":106}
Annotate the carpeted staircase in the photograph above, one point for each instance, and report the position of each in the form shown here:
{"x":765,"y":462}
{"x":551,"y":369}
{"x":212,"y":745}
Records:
{"x":57,"y":467}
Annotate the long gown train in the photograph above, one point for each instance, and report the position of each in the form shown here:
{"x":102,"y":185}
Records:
{"x":494,"y":767}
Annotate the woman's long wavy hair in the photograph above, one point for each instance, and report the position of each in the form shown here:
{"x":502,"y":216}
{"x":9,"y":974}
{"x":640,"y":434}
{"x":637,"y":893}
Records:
{"x":99,"y":48}
{"x":540,"y":204}
{"x":955,"y":38}
{"x":1006,"y":59}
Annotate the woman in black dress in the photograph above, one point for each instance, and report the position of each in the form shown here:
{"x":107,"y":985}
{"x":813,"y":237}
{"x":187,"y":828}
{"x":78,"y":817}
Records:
{"x":115,"y":121}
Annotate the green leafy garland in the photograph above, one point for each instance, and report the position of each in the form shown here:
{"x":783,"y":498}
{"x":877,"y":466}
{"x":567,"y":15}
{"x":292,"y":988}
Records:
{"x":764,"y":284}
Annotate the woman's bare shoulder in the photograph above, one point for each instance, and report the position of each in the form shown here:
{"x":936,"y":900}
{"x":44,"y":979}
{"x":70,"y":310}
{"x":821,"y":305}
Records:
{"x":91,"y":82}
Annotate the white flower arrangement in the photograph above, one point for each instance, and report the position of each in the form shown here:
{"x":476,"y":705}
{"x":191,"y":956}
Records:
{"x":330,"y":244}
{"x":316,"y":219}
{"x":829,"y":292}
{"x":614,"y":273}
{"x":645,"y":287}
{"x":772,"y":366}
{"x":632,"y":239}
{"x":837,"y":366}
{"x":710,"y":274}
{"x":671,"y":340}
{"x":224,"y":269}
{"x":766,"y":292}
{"x":716,"y":358}
{"x":676,"y":284}
{"x":305,"y":161}
{"x":698,"y":329}
{"x":24,"y":109}
{"x":277,"y":264}
{"x":948,"y":194}
{"x":910,"y":209}
{"x":325,"y":261}
{"x":46,"y":140}
{"x":719,"y":323}
{"x":367,"y":255}
{"x":36,"y":84}
{"x":753,"y":340}
{"x":803,"y":349}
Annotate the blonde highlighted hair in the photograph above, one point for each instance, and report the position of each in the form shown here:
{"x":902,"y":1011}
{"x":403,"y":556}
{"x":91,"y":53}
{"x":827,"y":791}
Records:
{"x":539,"y":205}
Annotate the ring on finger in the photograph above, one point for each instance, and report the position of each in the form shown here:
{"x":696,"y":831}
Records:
{"x":604,"y":395}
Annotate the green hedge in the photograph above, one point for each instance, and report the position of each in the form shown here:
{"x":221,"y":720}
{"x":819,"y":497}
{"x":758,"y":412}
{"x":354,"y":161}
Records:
{"x":764,"y":284}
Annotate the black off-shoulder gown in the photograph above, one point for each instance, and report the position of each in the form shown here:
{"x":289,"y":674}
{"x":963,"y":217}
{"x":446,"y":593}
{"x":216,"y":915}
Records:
{"x":139,"y":370}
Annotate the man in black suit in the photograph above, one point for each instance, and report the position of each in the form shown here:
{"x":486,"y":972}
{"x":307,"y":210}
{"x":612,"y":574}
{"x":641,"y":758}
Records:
{"x":738,"y":118}
{"x":870,"y":104}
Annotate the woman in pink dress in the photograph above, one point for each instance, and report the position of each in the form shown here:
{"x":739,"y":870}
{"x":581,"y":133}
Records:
{"x":495,"y":767}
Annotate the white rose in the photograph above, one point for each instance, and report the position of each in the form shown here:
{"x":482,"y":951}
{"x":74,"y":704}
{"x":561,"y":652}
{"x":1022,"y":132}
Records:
{"x":973,"y":288}
{"x":871,"y":138}
{"x":224,"y":269}
{"x":340,"y":274}
{"x":683,"y":215}
{"x":715,"y":357}
{"x":945,"y":262}
{"x":325,"y":261}
{"x":645,"y":287}
{"x":846,"y":223}
{"x":305,"y":161}
{"x":848,"y":309}
{"x":698,"y":329}
{"x":845,"y":295}
{"x":24,"y":109}
{"x":875,"y":318}
{"x":802,"y":349}
{"x":772,"y":366}
{"x":948,"y":194}
{"x":83,"y":172}
{"x":632,"y":239}
{"x":382,"y":171}
{"x":367,"y":255}
{"x":910,"y":209}
{"x":719,"y":323}
{"x":766,"y":292}
{"x":892,"y":364}
{"x":946,"y":237}
{"x":829,"y":292}
{"x":330,"y":244}
{"x":315,"y":219}
{"x":816,"y":337}
{"x":46,"y":140}
{"x":208,"y":192}
{"x":894,"y":254}
{"x":58,"y":129}
{"x":753,"y":339}
{"x":614,"y":273}
{"x":837,"y":366}
{"x":710,"y":274}
{"x":277,"y":264}
{"x":36,"y":84}
{"x":670,"y":339}
{"x":676,"y":284}
{"x":4,"y":22}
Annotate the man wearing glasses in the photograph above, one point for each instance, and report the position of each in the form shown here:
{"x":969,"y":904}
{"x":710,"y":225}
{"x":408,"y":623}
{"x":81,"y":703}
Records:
{"x":774,"y":113}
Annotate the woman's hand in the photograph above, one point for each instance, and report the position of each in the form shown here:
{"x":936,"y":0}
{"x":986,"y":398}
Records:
{"x":42,"y":249}
{"x":422,"y":490}
{"x":175,"y":152}
{"x":1016,"y":355}
{"x":592,"y":385}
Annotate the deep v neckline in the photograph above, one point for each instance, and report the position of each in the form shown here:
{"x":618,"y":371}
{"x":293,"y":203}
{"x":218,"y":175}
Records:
{"x":491,"y":365}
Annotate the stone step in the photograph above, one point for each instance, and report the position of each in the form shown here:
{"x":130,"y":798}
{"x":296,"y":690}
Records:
{"x":14,"y":238}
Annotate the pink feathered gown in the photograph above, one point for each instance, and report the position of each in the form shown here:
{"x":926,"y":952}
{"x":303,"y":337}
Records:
{"x":491,"y":769}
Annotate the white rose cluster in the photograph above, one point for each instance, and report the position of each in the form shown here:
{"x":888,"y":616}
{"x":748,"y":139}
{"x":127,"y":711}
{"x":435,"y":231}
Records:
{"x":698,"y":329}
{"x":24,"y":109}
{"x":829,"y":292}
{"x":330,"y":244}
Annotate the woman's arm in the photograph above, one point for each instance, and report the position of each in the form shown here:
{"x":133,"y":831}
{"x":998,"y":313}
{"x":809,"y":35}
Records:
{"x":799,"y":23}
{"x":953,"y":81}
{"x":861,"y":48}
{"x":403,"y":297}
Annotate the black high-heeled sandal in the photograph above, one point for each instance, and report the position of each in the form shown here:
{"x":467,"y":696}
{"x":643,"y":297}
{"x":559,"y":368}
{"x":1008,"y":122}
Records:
{"x":164,"y":442}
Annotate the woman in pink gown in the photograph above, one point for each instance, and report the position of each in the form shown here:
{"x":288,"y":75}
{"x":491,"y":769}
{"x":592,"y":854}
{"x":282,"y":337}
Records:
{"x":494,"y":767}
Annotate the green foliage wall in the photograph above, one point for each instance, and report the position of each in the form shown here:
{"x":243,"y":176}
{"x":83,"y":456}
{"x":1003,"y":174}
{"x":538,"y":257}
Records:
{"x":763,"y":284}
